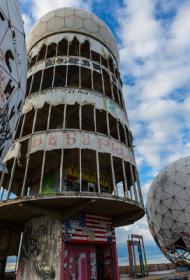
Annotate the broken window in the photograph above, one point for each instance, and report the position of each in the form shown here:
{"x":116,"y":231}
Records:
{"x":51,"y":174}
{"x":42,"y":117}
{"x":19,"y":127}
{"x":129,"y":180}
{"x":97,"y":81}
{"x":36,"y":81}
{"x":88,"y":118}
{"x":51,"y":51}
{"x":60,"y":76}
{"x":119,"y":178}
{"x":28,"y":123}
{"x":42,"y":53}
{"x":104,"y":61}
{"x":95,"y":56}
{"x":115,"y":93}
{"x":101,"y":122}
{"x":121,"y":99}
{"x":71,"y":170}
{"x":86,"y":78}
{"x":19,"y":171}
{"x":107,"y":83}
{"x":129,"y":138}
{"x":89,"y":171}
{"x":122,"y":133}
{"x":113,"y":127}
{"x":106,"y":183}
{"x":111,"y":65}
{"x":72,"y":116}
{"x":62,"y":47}
{"x":29,"y":80}
{"x":56,"y":117}
{"x":34,"y":173}
{"x":47,"y":78}
{"x":73,"y":76}
{"x":74,"y":47}
{"x":85,"y":49}
{"x":32,"y":61}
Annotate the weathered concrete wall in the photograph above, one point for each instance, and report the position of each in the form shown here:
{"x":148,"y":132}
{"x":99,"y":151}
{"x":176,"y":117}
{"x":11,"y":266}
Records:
{"x":41,"y":248}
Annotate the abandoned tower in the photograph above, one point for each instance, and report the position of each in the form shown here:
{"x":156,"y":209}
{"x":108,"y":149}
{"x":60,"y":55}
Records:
{"x":72,"y":175}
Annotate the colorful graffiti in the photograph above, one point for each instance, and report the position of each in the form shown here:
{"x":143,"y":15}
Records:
{"x":85,"y":227}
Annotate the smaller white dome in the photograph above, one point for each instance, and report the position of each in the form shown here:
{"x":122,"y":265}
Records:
{"x":168,"y":210}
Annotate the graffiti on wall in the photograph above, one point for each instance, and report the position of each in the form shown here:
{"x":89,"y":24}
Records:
{"x":13,"y":64}
{"x":40,"y":252}
{"x":70,"y":140}
{"x":88,"y":227}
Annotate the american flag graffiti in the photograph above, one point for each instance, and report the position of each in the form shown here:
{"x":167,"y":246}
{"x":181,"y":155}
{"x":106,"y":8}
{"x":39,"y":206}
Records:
{"x":86,"y":227}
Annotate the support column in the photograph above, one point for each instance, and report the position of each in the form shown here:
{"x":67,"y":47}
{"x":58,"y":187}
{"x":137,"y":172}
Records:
{"x":41,"y":249}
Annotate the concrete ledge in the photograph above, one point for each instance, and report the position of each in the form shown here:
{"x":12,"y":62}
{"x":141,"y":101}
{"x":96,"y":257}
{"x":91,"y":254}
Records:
{"x":62,"y":205}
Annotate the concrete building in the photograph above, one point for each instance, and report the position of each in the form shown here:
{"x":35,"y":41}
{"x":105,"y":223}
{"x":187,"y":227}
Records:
{"x":72,"y":173}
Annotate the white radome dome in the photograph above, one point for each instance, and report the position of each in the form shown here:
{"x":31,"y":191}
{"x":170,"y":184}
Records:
{"x":168,"y":210}
{"x":76,"y":21}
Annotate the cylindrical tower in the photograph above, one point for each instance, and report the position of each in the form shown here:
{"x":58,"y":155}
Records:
{"x":72,"y":159}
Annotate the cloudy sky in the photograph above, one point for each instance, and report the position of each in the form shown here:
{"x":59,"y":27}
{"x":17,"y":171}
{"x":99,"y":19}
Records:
{"x":154,"y":41}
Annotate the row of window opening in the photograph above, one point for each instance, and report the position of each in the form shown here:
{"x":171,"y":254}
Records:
{"x":73,"y":48}
{"x":75,"y":76}
{"x":71,"y":170}
{"x":69,"y":117}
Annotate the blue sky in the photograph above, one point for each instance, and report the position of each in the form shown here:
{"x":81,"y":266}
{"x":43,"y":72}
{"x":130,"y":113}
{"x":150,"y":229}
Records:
{"x":154,"y":42}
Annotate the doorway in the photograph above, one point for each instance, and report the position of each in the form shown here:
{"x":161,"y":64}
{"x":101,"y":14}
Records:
{"x":79,"y":262}
{"x":88,"y":262}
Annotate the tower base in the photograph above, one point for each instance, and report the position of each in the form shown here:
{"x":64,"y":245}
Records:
{"x":81,"y":248}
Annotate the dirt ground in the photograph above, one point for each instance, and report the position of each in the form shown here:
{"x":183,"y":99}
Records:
{"x":161,"y":275}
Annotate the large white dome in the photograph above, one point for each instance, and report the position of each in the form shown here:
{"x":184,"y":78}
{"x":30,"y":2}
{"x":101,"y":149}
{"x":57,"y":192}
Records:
{"x":73,"y":20}
{"x":168,"y":210}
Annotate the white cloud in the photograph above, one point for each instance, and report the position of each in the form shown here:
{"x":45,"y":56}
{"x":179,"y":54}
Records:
{"x":155,"y":54}
{"x":140,"y":30}
{"x":139,"y":228}
{"x":42,"y":7}
{"x":181,"y":28}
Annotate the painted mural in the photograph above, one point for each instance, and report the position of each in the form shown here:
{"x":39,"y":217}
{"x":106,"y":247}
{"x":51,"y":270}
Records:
{"x":41,"y":249}
{"x":13,"y":71}
{"x":89,"y":228}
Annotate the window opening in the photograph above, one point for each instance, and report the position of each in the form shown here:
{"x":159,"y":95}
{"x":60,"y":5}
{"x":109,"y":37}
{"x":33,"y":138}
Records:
{"x":73,"y":76}
{"x":51,"y":51}
{"x":36,"y":81}
{"x":60,"y":76}
{"x":42,"y":53}
{"x":101,"y":122}
{"x":88,"y":118}
{"x":86,"y":78}
{"x":62,"y":47}
{"x":47,"y":78}
{"x":85,"y":49}
{"x":74,"y":47}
